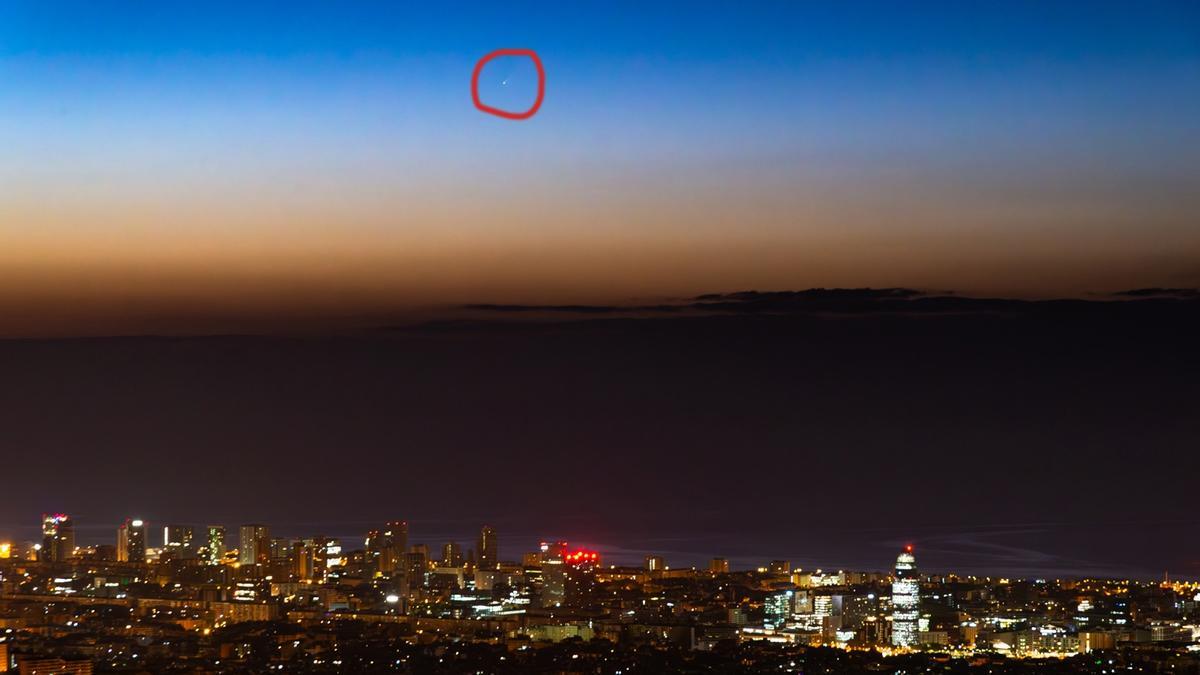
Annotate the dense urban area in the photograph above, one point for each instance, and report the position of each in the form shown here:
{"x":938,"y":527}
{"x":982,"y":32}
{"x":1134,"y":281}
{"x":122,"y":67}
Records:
{"x":197,"y":604}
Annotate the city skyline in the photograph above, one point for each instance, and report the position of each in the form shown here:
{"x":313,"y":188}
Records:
{"x":58,"y":548}
{"x":200,"y":539}
{"x":380,"y":606}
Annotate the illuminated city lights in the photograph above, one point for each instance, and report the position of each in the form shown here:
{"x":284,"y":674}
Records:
{"x":558,"y":592}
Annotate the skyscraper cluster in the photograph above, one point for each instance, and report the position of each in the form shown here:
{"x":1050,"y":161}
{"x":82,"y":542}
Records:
{"x":402,"y":591}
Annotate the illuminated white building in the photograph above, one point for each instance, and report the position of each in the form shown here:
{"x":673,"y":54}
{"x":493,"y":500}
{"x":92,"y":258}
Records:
{"x":905,"y":600}
{"x":776,"y":609}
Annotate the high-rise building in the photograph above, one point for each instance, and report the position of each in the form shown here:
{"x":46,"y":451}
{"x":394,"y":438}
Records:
{"x":655,"y":563}
{"x":311,"y":558}
{"x":385,"y":548}
{"x":335,"y":559}
{"x":718,"y":566}
{"x":826,"y":605}
{"x":215,"y":544}
{"x":580,"y":571}
{"x":131,"y":541}
{"x":373,"y":546}
{"x":418,"y":567}
{"x":554,"y":582}
{"x":281,"y":550}
{"x":254,"y":544}
{"x":488,"y":549}
{"x":552,"y":550}
{"x":179,"y":540}
{"x":58,"y":538}
{"x":779,"y":567}
{"x":396,"y":544}
{"x":777,"y":608}
{"x":567,"y":577}
{"x":905,"y":600}
{"x":452,"y":555}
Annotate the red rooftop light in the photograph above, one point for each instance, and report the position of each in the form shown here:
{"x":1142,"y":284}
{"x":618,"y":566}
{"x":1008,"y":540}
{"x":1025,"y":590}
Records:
{"x":581,"y":556}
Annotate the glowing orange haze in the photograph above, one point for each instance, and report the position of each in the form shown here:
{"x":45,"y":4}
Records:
{"x":115,"y":261}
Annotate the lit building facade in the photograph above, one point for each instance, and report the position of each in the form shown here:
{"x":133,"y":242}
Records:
{"x":179,"y":540}
{"x":396,"y":545}
{"x":312,"y":558}
{"x":58,"y":538}
{"x":487,"y":549}
{"x":579,"y":571}
{"x":417,"y":567}
{"x":779,"y":567}
{"x":131,"y":541}
{"x":906,"y":591}
{"x":215,"y":544}
{"x":385,"y":548}
{"x":776,"y":609}
{"x":254,"y":545}
{"x":452,"y":555}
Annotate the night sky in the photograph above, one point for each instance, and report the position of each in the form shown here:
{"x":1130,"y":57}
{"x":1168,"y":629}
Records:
{"x":268,"y":263}
{"x":1013,"y":437}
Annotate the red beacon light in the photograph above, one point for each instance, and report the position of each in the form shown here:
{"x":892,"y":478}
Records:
{"x":581,"y":557}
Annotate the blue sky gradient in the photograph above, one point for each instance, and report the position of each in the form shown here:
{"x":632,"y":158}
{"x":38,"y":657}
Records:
{"x":1032,"y":148}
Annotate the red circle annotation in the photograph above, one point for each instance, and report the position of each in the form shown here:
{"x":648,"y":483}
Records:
{"x":507,"y":114}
